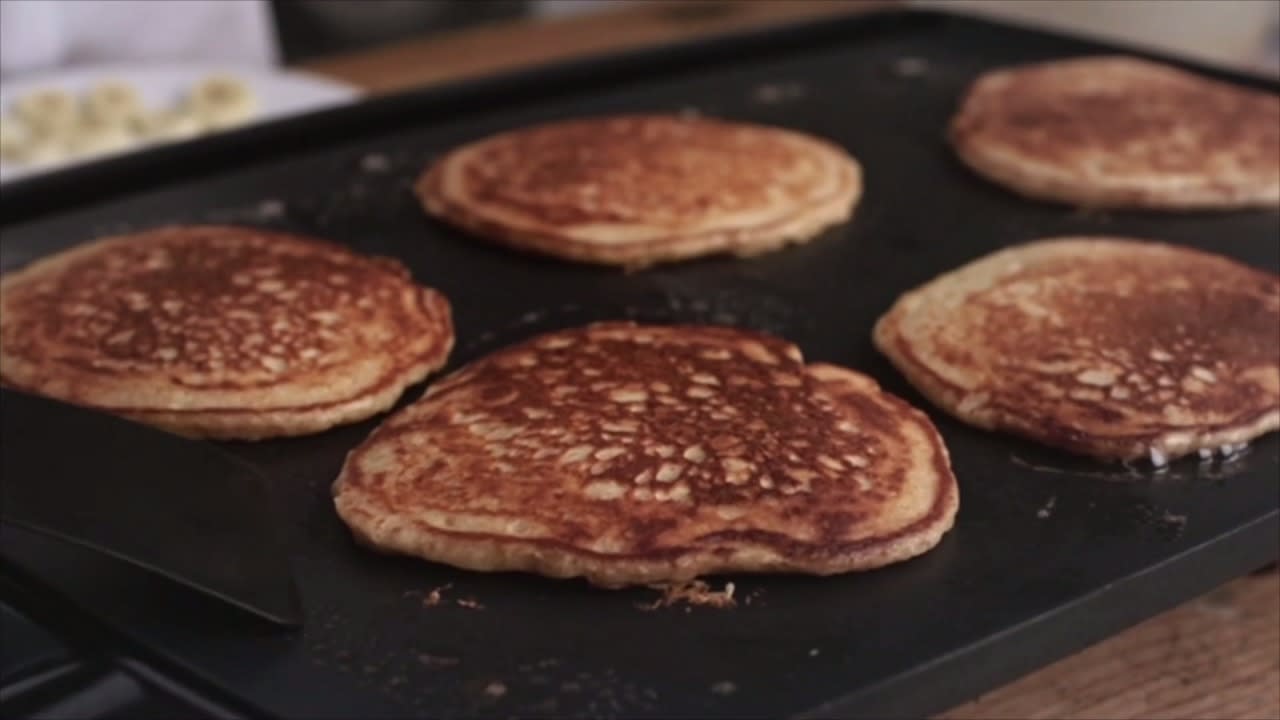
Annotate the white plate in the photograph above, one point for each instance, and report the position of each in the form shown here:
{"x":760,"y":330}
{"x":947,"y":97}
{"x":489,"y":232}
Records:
{"x":279,"y":93}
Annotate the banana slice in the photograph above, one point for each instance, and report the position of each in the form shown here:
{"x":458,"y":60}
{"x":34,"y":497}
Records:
{"x":113,"y":102}
{"x":12,"y":132}
{"x":47,"y":110}
{"x":21,"y":147}
{"x":96,"y":138}
{"x":13,"y":136}
{"x":169,"y":124}
{"x":221,"y":101}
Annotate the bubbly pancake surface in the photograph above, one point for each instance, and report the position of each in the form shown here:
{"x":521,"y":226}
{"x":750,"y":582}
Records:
{"x":220,"y":331}
{"x":1112,"y":348}
{"x":639,"y":189}
{"x":642,"y":454}
{"x":1122,"y":132}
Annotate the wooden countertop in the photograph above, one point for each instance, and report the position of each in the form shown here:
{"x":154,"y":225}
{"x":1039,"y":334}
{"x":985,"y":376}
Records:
{"x":1214,"y":657}
{"x":468,"y":53}
{"x":1217,"y":657}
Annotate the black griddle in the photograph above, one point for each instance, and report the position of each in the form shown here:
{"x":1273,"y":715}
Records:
{"x":1049,"y":554}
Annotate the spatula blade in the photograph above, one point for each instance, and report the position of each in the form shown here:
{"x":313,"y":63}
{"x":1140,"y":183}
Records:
{"x":181,"y":508}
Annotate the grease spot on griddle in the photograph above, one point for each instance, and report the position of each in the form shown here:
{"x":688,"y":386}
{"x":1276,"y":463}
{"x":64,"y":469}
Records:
{"x":724,"y":688}
{"x":909,"y":67}
{"x":1189,"y":468}
{"x":495,"y":689}
{"x":438,"y":661}
{"x":263,"y":212}
{"x":375,"y":163}
{"x":1047,"y":509}
{"x":777,"y":93}
{"x":1167,"y":525}
{"x":1174,"y":521}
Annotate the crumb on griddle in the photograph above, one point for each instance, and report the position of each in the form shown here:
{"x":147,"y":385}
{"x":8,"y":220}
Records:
{"x":433,"y":597}
{"x":469,"y":603}
{"x":437,"y":660}
{"x":375,"y":163}
{"x":772,"y":93}
{"x":495,"y":689}
{"x":270,"y":209}
{"x":911,"y":66}
{"x":696,"y":592}
{"x":724,"y":687}
{"x":1047,"y":510}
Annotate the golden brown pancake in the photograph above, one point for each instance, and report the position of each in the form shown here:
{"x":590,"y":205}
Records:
{"x":642,"y":454}
{"x":1112,"y":348}
{"x":224,"y":332}
{"x":642,"y":189}
{"x":1122,"y":132}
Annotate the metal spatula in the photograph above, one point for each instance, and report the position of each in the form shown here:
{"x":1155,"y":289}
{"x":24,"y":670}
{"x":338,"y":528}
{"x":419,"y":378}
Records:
{"x":180,"y":508}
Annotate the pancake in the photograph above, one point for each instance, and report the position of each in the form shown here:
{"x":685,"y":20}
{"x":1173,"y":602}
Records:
{"x":1112,"y":348}
{"x":643,"y":189}
{"x":221,"y":332}
{"x":631,"y":454}
{"x":1122,"y":132}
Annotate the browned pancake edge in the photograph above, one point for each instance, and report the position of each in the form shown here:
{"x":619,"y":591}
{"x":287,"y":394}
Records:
{"x":501,"y":467}
{"x":1193,"y":365}
{"x":656,"y":194}
{"x":220,"y":331}
{"x":1121,"y":132}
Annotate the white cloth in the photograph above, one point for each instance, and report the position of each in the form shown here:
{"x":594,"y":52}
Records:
{"x":44,"y":34}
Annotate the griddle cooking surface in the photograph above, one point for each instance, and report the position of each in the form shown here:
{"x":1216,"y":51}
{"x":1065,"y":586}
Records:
{"x":1049,"y":553}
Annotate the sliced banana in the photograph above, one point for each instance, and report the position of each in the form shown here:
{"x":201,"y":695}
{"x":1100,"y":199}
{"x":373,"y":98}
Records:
{"x":175,"y":124}
{"x":52,"y":125}
{"x":47,"y":110}
{"x":13,"y":136}
{"x":113,"y":102}
{"x":95,"y":138}
{"x":221,"y":101}
{"x":12,"y":132}
{"x":25,"y":148}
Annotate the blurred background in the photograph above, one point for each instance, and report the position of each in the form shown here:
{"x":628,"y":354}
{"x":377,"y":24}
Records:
{"x":84,"y":78}
{"x":38,"y":34}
